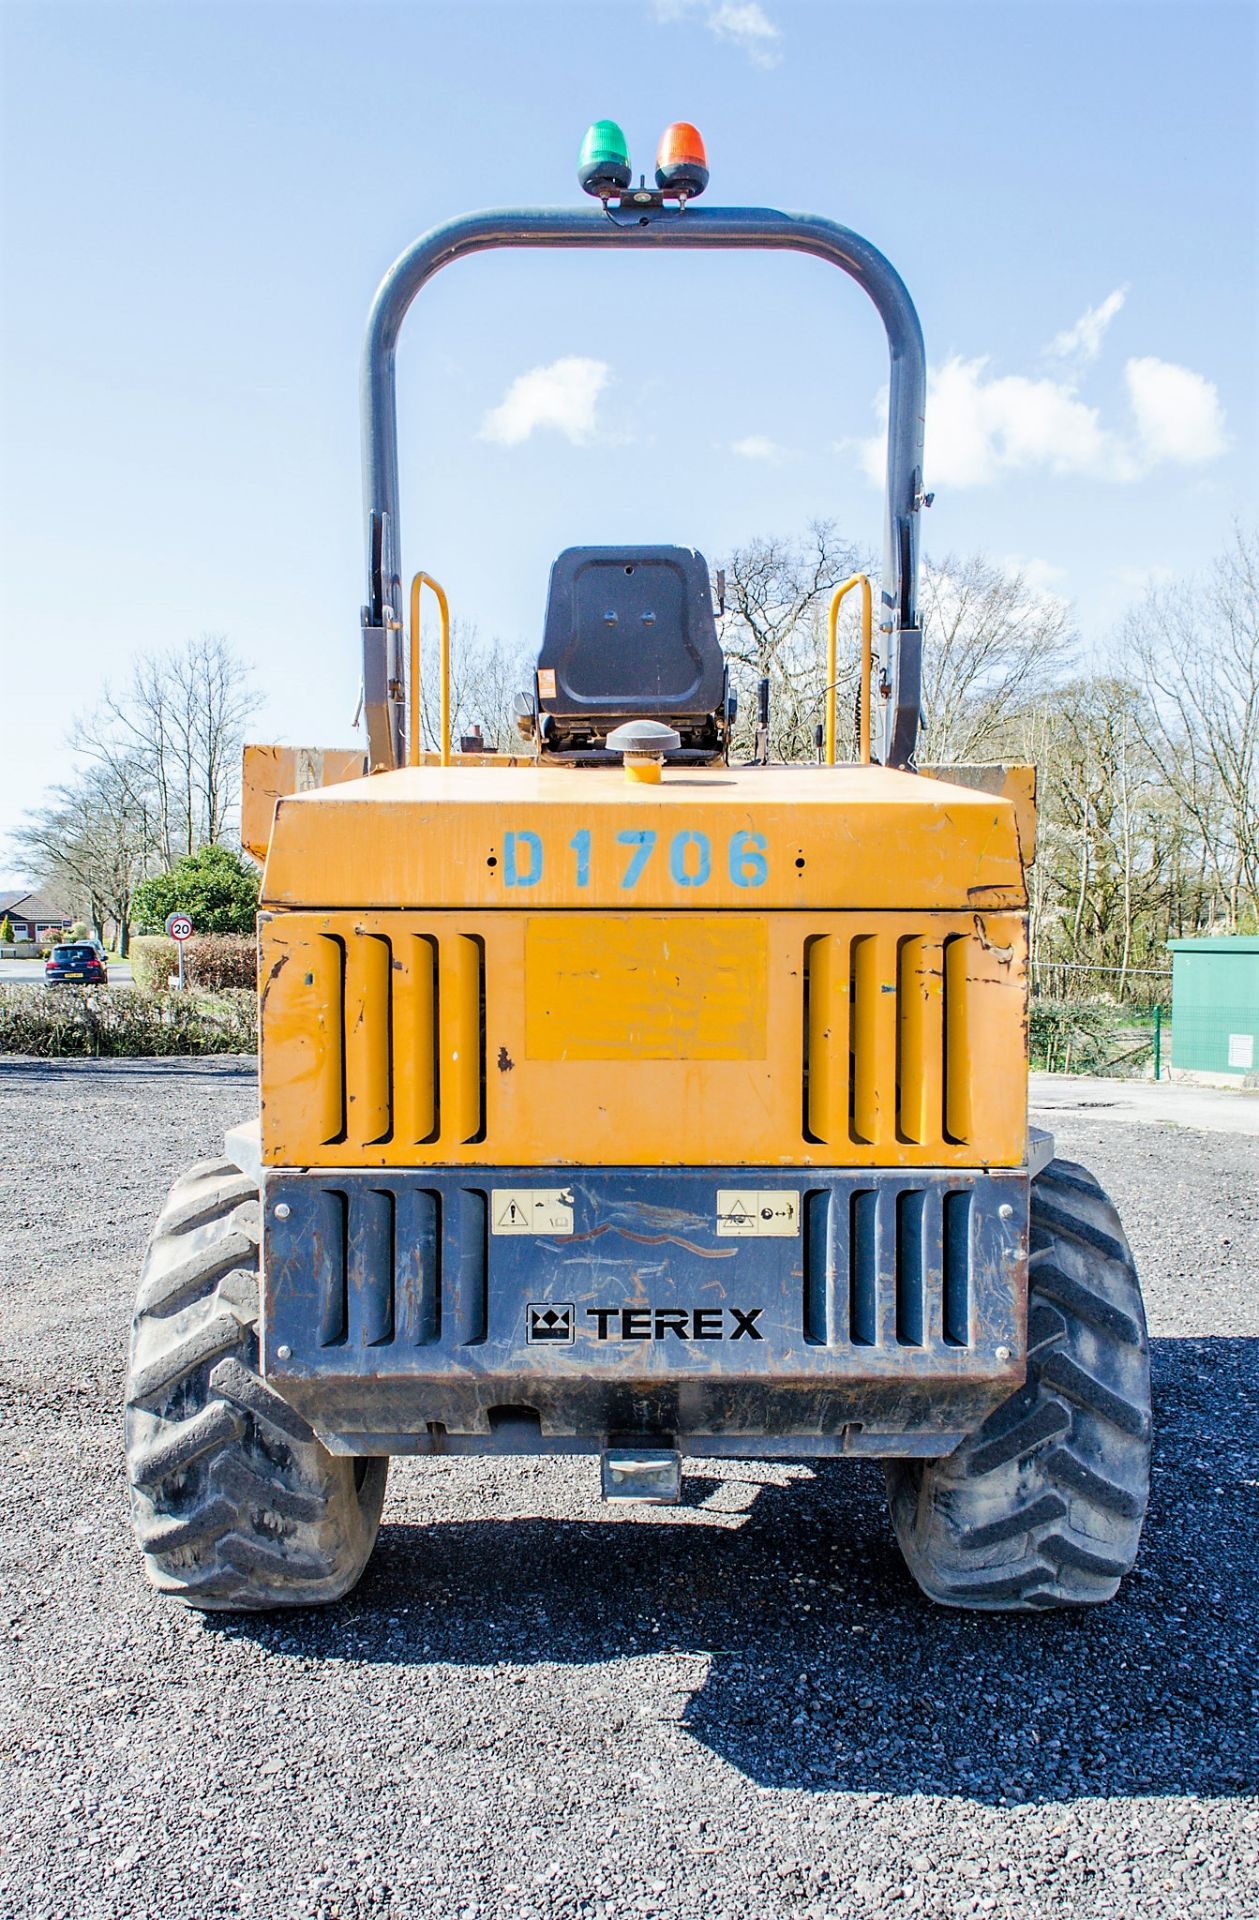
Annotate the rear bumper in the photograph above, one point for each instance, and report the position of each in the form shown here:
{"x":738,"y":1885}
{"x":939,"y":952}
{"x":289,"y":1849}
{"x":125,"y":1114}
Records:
{"x":740,"y":1311}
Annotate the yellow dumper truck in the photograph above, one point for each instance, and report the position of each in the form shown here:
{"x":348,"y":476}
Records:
{"x":619,"y":1100}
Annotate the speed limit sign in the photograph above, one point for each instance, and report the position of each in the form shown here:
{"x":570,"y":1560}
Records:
{"x":179,"y":927}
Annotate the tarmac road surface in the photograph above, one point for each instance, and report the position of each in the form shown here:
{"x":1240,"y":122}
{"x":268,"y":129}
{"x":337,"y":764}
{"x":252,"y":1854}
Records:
{"x":28,"y":972}
{"x":1060,"y":1097}
{"x":535,"y":1705}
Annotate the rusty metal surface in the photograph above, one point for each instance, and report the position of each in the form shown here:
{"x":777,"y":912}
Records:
{"x":859,"y":1310}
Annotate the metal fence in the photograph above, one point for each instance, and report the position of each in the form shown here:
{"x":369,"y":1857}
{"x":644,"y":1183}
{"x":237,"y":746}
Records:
{"x":1104,"y":1020}
{"x":1079,"y":980}
{"x":1082,"y":1036}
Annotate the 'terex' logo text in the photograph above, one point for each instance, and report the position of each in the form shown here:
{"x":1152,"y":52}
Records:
{"x":685,"y":1323}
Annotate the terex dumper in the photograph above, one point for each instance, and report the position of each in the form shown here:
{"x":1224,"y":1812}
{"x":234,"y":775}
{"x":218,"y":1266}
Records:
{"x":619,"y":1100}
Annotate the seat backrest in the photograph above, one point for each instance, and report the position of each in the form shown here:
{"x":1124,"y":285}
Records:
{"x":630,"y":634}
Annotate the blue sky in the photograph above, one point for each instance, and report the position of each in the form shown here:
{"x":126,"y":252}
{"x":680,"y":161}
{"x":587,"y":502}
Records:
{"x":198,"y":200}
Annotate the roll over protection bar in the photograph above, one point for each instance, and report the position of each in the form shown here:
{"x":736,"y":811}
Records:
{"x":704,"y":227}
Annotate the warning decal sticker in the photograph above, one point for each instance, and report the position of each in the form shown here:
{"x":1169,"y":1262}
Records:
{"x":531,"y":1210}
{"x":746,"y":1215}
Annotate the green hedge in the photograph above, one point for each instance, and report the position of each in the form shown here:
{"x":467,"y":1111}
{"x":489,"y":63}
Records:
{"x":212,"y":961}
{"x":216,"y":887}
{"x":153,"y":959}
{"x":62,"y":1022}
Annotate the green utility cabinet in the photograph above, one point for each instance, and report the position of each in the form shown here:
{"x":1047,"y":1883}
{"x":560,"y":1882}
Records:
{"x":1215,"y":1004}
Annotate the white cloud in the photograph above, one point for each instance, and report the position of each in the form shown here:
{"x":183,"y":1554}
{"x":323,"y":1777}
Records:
{"x":1044,"y":581}
{"x":757,"y":446}
{"x":742,"y":22}
{"x":1083,"y":341}
{"x":978,"y":428}
{"x":747,"y":25}
{"x":1138,"y":580}
{"x":563,"y":396}
{"x":1041,"y":576}
{"x":981,"y":426}
{"x":1177,"y":412}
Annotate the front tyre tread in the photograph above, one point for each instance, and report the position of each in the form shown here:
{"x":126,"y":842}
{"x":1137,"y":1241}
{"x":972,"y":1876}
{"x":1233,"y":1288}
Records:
{"x":1043,"y":1506}
{"x":236,"y":1503}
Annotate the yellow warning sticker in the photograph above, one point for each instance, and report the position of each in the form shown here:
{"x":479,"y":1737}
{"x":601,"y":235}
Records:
{"x":531,"y":1210}
{"x":747,"y":1215}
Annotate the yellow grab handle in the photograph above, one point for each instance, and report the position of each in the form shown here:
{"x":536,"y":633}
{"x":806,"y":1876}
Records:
{"x":443,"y":605}
{"x":867,"y":663}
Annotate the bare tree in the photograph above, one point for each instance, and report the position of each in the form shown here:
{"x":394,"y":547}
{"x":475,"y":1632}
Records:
{"x":777,"y":594}
{"x":1196,"y":649}
{"x":1100,"y":885}
{"x":990,"y":646}
{"x":485,"y":677}
{"x":92,"y":844}
{"x":174,"y":734}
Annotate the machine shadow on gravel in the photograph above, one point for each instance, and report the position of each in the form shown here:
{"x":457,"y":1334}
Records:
{"x":828,"y":1671}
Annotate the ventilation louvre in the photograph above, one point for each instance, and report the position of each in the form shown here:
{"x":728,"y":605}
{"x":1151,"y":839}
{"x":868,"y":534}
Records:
{"x":869,"y":1276}
{"x":401,"y":1054}
{"x":381,"y":1277}
{"x":393,"y":1040}
{"x":956,"y":1287}
{"x":863,"y":1269}
{"x":888,"y":1040}
{"x":910,"y":1271}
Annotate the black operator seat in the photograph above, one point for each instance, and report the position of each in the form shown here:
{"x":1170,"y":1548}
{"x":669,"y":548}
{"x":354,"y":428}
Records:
{"x":630,"y":635}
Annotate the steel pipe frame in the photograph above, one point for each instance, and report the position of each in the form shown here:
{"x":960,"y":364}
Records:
{"x":760,"y":228}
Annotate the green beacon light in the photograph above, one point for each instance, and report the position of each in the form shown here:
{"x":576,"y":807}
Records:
{"x":603,"y":165}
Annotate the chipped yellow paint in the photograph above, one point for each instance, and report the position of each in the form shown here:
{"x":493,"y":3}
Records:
{"x":515,"y":1038}
{"x":268,"y":773}
{"x":777,"y":839}
{"x":1016,"y":783}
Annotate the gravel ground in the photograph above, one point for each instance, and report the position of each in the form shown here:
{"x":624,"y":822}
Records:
{"x":534,"y":1705}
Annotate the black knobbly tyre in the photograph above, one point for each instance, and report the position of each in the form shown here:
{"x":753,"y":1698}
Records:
{"x":1043,"y":1506}
{"x":235,"y":1502}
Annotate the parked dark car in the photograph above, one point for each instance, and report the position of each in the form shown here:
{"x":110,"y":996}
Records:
{"x":82,"y":964}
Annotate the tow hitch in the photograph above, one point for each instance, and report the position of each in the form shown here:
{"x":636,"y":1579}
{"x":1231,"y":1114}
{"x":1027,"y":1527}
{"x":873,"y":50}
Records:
{"x":653,"y":1474}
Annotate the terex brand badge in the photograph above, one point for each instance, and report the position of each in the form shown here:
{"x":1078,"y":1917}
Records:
{"x":531,"y":1210}
{"x":549,"y":1323}
{"x":744,"y":1214}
